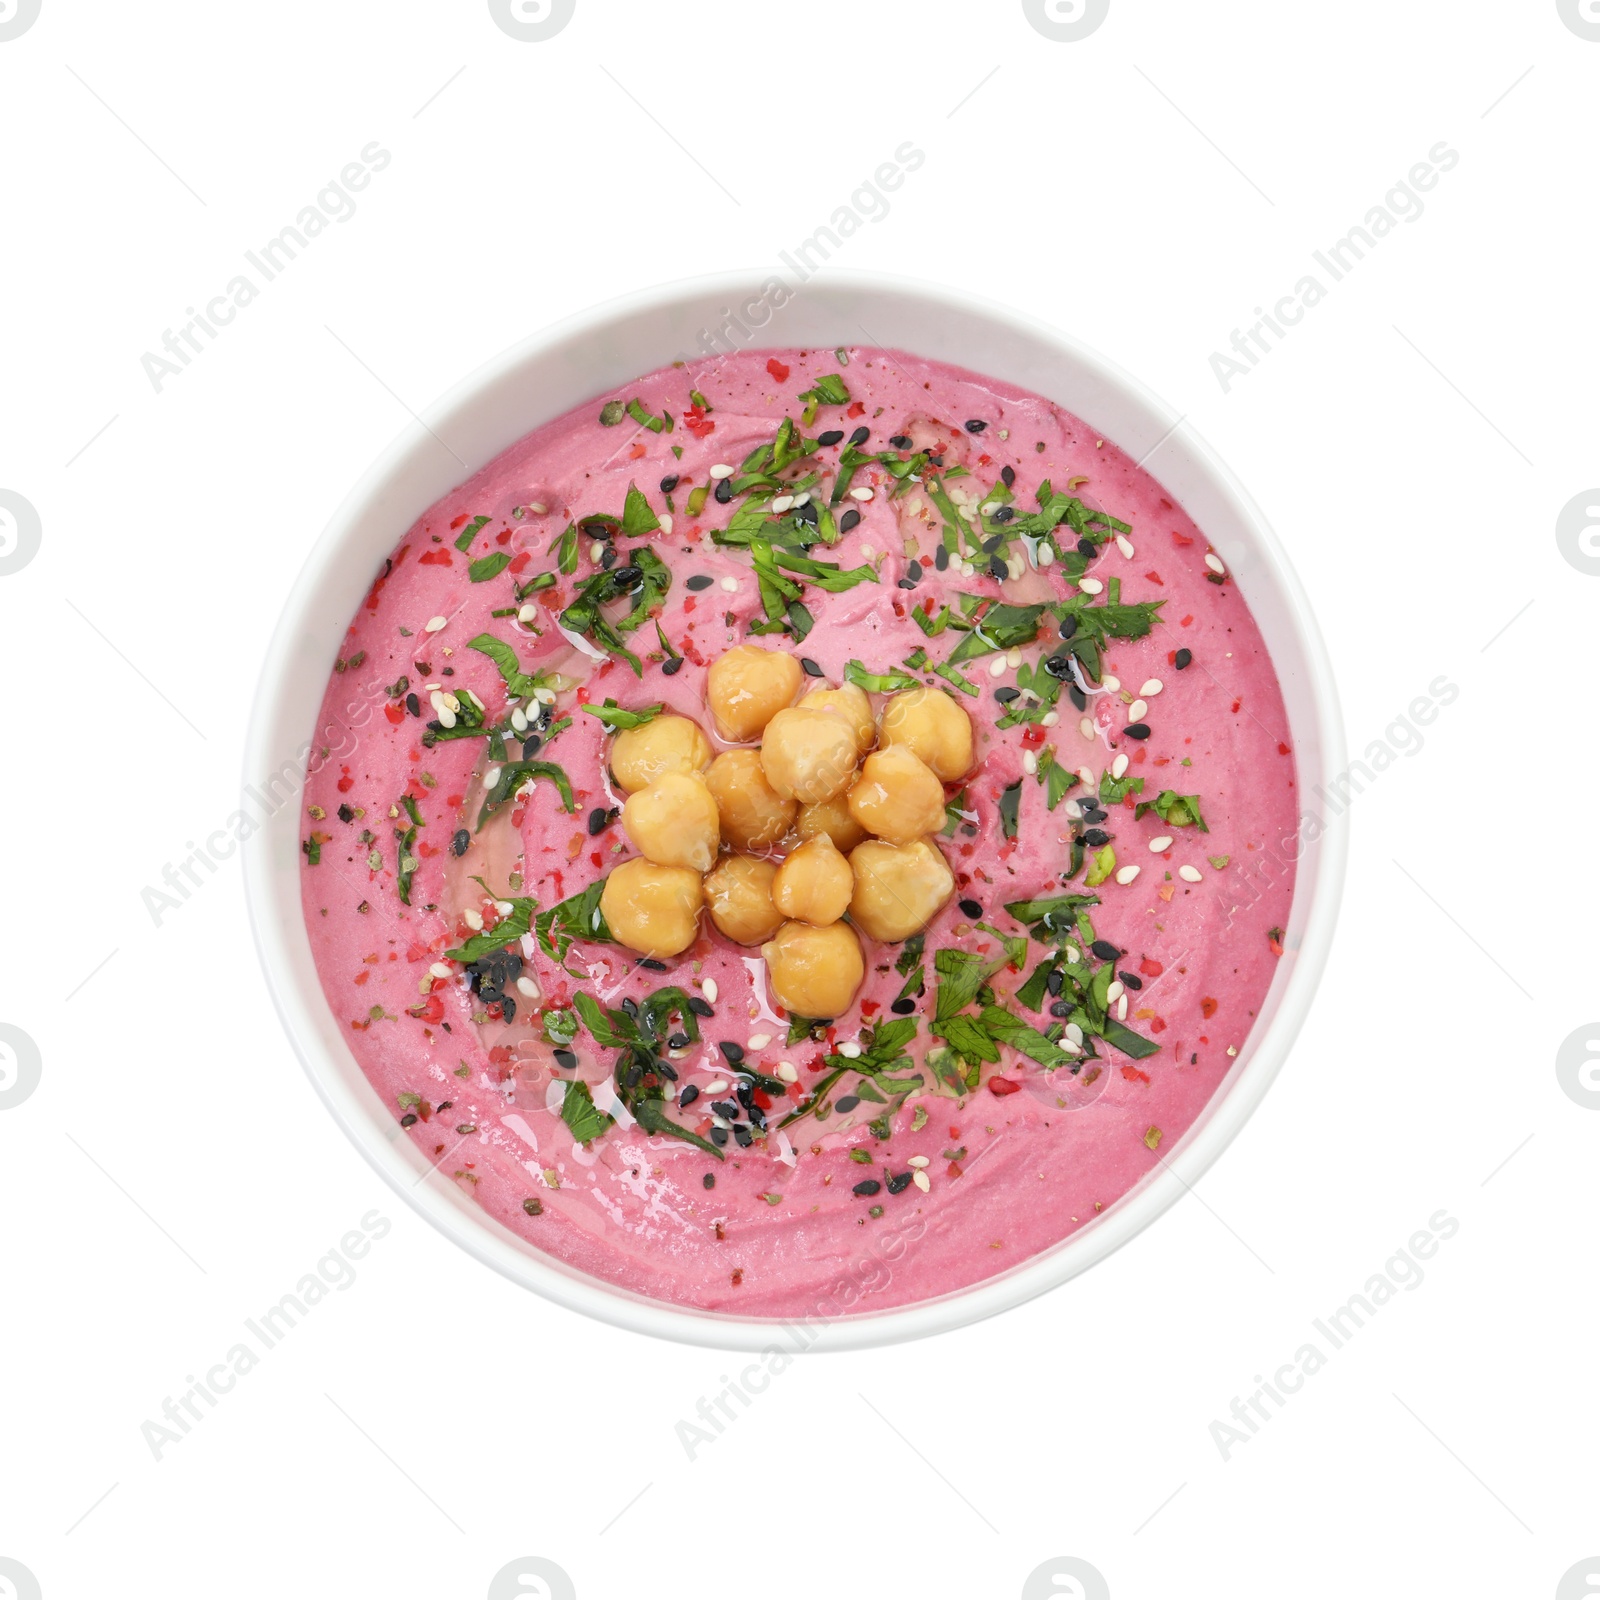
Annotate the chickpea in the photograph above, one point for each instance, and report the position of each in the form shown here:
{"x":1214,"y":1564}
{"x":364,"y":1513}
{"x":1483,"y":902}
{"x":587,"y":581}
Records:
{"x":747,"y":687}
{"x":898,"y":888}
{"x":754,"y":815}
{"x":814,"y":883}
{"x":850,"y":702}
{"x":653,"y":910}
{"x":675,"y":822}
{"x":666,"y":744}
{"x":897,"y":797}
{"x":831,"y":817}
{"x":809,"y":755}
{"x":815,"y":972}
{"x":739,"y":896}
{"x":930,"y":724}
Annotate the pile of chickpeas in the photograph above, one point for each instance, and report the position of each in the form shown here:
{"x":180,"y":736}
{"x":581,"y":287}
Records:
{"x":821,"y":808}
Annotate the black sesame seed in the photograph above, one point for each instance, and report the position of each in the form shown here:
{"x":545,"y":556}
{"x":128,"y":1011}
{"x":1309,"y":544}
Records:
{"x":566,"y":1060}
{"x":710,"y":1180}
{"x":971,"y":909}
{"x":669,"y":483}
{"x":903,"y":1008}
{"x":1182,"y":659}
{"x":628,"y":578}
{"x":1069,"y":626}
{"x":719,"y":1136}
{"x":867,"y":1187}
{"x":413,"y":705}
{"x":1095,"y":837}
{"x":758,"y":1118}
{"x":848,"y":1102}
{"x":860,"y":436}
{"x":608,"y":557}
{"x":941,"y":558}
{"x":832,"y":436}
{"x":914,"y":572}
{"x":734,"y":1053}
{"x":678,"y":1041}
{"x":1003,"y":513}
{"x":905,"y":583}
{"x":597,"y":821}
{"x":899,"y":1182}
{"x":1062,"y":1008}
{"x":701,"y":1008}
{"x":975,"y":425}
{"x":810,"y":667}
{"x":723,"y":493}
{"x":1137,"y":730}
{"x":901,"y":441}
{"x":408,"y":1120}
{"x":650,"y":964}
{"x":667,"y":1070}
{"x":1105,"y":950}
{"x":1055,"y":980}
{"x":698,"y":582}
{"x":459,"y":841}
{"x":849,"y":520}
{"x":689,"y":1095}
{"x":726,"y":1108}
{"x":672,"y":666}
{"x":742,"y":1137}
{"x":1088,"y":548}
{"x":1058,"y":666}
{"x":1007,"y":695}
{"x":531,"y":746}
{"x":1008,"y":476}
{"x":1131,"y":980}
{"x":998,"y":568}
{"x":991,"y":545}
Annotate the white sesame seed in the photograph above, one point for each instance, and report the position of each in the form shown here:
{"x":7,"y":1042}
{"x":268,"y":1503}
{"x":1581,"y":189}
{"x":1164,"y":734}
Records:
{"x":730,"y":584}
{"x":1030,"y":762}
{"x":967,"y":569}
{"x":1110,"y":683}
{"x":440,"y":969}
{"x":528,"y":988}
{"x":803,"y":499}
{"x":1122,"y":1009}
{"x":491,"y":777}
{"x":863,"y":493}
{"x":1090,"y":585}
{"x":1125,"y":548}
{"x":917,"y":1161}
{"x":1086,"y":777}
{"x":527,"y":614}
{"x":920,"y":1178}
{"x":1013,"y":659}
{"x":665,"y":520}
{"x":1073,"y":1033}
{"x":1050,"y":719}
{"x":997,"y":667}
{"x":538,"y":507}
{"x":850,"y":1049}
{"x":786,"y":1071}
{"x":1214,"y":561}
{"x":708,"y":987}
{"x":782,"y":504}
{"x":1233,"y":1049}
{"x":1086,"y":727}
{"x":434,"y":624}
{"x":1136,"y":712}
{"x":596,"y":550}
{"x":447,"y":717}
{"x":1114,"y":990}
{"x":1190,"y":874}
{"x":1073,"y":809}
{"x":758,"y":1041}
{"x":722,"y":470}
{"x":504,"y":907}
{"x":545,"y":697}
{"x":1152,"y":687}
{"x":1127,"y":874}
{"x":472,"y":919}
{"x":1046,"y":555}
{"x":716,"y":1086}
{"x":1163,"y":843}
{"x":519,"y":721}
{"x":1119,"y":766}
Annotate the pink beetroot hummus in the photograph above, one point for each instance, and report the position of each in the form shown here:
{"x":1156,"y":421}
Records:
{"x":1003,"y":1075}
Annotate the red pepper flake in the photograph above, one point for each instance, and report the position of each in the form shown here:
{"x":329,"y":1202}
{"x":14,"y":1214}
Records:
{"x":520,"y":560}
{"x":459,"y":522}
{"x":636,"y":453}
{"x":1237,"y":704}
{"x":954,"y":1169}
{"x":1155,"y":577}
{"x":1134,"y":1075}
{"x":697,"y":422}
{"x":1003,"y":1086}
{"x":1157,"y":1025}
{"x":780,"y":373}
{"x":1034,"y":734}
{"x":870,"y":1008}
{"x":361,"y":977}
{"x":1151,"y":968}
{"x":435,"y":558}
{"x":1183,"y":622}
{"x":859,"y":410}
{"x":1283,"y":749}
{"x":1208,"y":1007}
{"x":395,"y":714}
{"x":1182,"y":540}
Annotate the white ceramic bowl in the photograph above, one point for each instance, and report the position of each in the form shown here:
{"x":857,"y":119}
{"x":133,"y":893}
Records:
{"x":601,"y":350}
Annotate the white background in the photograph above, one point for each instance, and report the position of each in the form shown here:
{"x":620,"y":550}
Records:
{"x":1413,"y":440}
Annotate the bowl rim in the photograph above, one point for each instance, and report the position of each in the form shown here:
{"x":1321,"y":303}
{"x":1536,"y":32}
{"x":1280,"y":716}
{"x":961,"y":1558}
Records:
{"x":1231,"y":1104}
